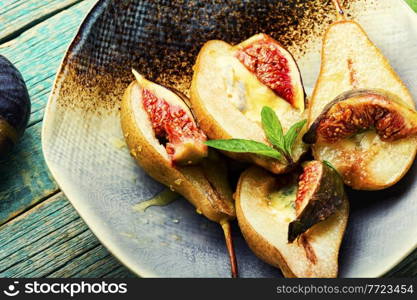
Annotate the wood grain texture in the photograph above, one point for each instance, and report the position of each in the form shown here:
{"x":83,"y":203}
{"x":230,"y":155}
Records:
{"x":95,"y":262}
{"x":51,"y":240}
{"x":38,"y":52}
{"x":24,"y":177}
{"x":22,"y":14}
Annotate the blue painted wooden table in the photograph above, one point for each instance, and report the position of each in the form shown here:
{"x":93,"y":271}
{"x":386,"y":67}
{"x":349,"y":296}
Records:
{"x":41,"y":235}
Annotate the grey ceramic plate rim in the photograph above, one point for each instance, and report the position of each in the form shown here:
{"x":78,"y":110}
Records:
{"x":89,"y":219}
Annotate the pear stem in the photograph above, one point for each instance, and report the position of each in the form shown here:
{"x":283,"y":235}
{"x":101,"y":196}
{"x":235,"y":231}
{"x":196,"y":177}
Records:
{"x":230,"y":249}
{"x":339,"y":8}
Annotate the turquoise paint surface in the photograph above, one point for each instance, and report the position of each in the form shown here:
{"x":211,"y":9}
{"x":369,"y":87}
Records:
{"x":37,"y":53}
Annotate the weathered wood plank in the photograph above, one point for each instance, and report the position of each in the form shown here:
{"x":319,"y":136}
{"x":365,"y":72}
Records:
{"x":24,"y":177}
{"x":99,"y":268}
{"x":22,"y":14}
{"x":82,"y":263}
{"x":120,"y":272}
{"x":25,"y":180}
{"x":38,"y":52}
{"x":52,"y":240}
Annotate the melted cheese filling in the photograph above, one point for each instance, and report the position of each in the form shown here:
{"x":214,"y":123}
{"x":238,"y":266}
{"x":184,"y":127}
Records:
{"x":248,"y":94}
{"x":282,"y":203}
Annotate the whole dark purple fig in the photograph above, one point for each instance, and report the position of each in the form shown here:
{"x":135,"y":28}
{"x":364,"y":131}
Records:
{"x":14,"y":105}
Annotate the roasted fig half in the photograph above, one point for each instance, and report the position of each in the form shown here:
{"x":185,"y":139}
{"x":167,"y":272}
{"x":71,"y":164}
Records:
{"x":172,"y":123}
{"x":266,"y":205}
{"x":14,"y":105}
{"x":368,"y":135}
{"x":166,"y":142}
{"x":231,"y":85}
{"x":320,"y":193}
{"x":357,"y":111}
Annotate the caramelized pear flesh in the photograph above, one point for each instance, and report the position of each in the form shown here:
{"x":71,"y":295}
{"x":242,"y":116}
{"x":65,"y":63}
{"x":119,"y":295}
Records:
{"x":227,"y":98}
{"x":208,"y":191}
{"x":351,"y":61}
{"x":265,"y":206}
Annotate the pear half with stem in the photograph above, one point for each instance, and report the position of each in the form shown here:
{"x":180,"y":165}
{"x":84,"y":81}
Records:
{"x":350,"y":61}
{"x":166,"y":142}
{"x":231,"y":85}
{"x":266,"y":206}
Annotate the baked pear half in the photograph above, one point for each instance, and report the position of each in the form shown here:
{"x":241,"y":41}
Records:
{"x":167,"y":143}
{"x":231,"y":85}
{"x":351,"y":62}
{"x":266,"y":205}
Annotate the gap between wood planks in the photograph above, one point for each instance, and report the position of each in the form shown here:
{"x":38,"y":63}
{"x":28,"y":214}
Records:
{"x":55,"y":242}
{"x":35,"y":22}
{"x":21,"y":51}
{"x":52,"y":194}
{"x":56,"y":272}
{"x":107,"y":265}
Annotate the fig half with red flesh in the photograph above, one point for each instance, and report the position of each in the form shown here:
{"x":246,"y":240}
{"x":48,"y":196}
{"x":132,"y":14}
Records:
{"x":360,"y":110}
{"x":320,"y":193}
{"x":204,"y":184}
{"x":227,"y":97}
{"x":274,"y":66}
{"x":172,"y":123}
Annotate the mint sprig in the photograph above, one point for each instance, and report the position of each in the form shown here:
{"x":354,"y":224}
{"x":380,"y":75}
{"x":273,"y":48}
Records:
{"x":273,"y":131}
{"x":244,"y":146}
{"x":281,"y":144}
{"x":272,"y":127}
{"x":292,"y":134}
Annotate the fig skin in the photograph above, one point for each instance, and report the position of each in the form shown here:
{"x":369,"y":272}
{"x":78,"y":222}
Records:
{"x":14,"y":106}
{"x":322,"y":200}
{"x":220,"y":119}
{"x":314,"y":255}
{"x":204,"y":185}
{"x":379,"y":99}
{"x":353,"y":164}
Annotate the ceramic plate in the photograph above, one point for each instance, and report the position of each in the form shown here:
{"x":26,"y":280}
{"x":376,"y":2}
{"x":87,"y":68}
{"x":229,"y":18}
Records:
{"x":83,"y":142}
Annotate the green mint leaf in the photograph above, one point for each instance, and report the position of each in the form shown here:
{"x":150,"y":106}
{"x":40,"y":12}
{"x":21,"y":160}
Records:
{"x":244,"y":146}
{"x":292,"y":134}
{"x":272,"y":128}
